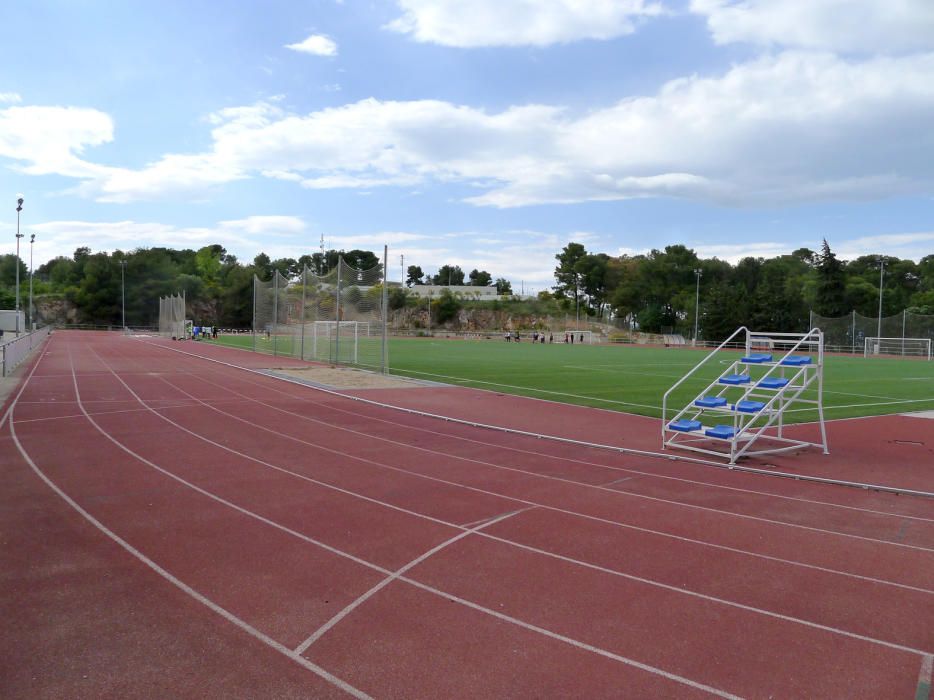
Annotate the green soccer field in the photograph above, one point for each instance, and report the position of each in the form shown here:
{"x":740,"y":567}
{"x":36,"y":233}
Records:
{"x":633,"y":378}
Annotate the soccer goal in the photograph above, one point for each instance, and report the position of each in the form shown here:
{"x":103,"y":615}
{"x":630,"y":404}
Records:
{"x":585,"y":337}
{"x":330,"y":341}
{"x":899,"y":347}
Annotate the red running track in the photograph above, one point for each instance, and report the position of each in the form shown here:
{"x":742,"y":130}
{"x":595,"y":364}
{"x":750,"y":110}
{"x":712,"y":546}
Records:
{"x":174,"y":526}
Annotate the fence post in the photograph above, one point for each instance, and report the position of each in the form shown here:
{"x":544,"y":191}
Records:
{"x":275,"y":312}
{"x":304,"y":279}
{"x":384,"y":364}
{"x":337,"y":322}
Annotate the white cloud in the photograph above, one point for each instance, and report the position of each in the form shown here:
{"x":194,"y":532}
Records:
{"x":794,"y":127}
{"x":10,"y":97}
{"x":50,"y":139}
{"x":316,"y":45}
{"x":836,"y":25}
{"x":474,"y":23}
{"x":242,"y":237}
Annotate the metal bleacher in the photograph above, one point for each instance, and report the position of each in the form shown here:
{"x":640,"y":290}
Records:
{"x":741,"y":412}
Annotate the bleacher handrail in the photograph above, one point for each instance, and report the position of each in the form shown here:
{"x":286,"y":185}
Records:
{"x":741,"y":329}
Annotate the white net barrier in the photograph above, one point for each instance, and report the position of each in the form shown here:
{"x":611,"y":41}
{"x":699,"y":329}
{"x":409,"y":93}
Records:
{"x":849,"y":333}
{"x":172,"y":316}
{"x":300,"y":317}
{"x":271,"y":309}
{"x":344,"y":316}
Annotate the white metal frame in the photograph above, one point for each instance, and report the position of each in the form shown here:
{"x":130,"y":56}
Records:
{"x":588,"y":335}
{"x":925,"y":345}
{"x":764,"y":426}
{"x":330,"y":327}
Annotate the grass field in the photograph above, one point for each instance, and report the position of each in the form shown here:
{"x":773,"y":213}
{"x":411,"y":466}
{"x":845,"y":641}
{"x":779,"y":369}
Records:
{"x":633,"y":378}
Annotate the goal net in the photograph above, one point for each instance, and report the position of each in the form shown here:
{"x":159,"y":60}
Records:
{"x":335,"y":316}
{"x":172,"y":316}
{"x":585,"y":337}
{"x":898,"y":347}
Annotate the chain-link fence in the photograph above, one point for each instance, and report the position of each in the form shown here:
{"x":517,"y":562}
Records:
{"x":848,"y":333}
{"x":338,"y":316}
{"x":172,"y":316}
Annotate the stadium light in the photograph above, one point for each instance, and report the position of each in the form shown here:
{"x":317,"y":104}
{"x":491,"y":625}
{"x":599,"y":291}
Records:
{"x":32,"y":320}
{"x":698,"y":272}
{"x":19,"y":208}
{"x":123,"y":292}
{"x":881,"y":277}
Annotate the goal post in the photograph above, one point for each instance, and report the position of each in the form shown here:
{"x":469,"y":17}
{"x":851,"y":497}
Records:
{"x":330,"y":341}
{"x":898,"y":347}
{"x":585,"y":337}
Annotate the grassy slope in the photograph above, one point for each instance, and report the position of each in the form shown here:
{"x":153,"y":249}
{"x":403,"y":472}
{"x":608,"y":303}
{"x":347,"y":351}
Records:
{"x":633,"y":379}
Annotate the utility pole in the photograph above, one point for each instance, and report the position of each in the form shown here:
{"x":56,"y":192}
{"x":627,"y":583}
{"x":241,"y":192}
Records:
{"x":402,"y":265}
{"x":698,"y":272}
{"x":19,"y":208}
{"x":123,"y":292}
{"x":32,"y":319}
{"x":881,"y":277}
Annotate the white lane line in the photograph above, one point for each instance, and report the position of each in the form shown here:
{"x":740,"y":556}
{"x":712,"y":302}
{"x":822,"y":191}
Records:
{"x":178,"y":583}
{"x":702,"y":596}
{"x":303,"y":399}
{"x":570,"y":441}
{"x":322,"y":630}
{"x":549,"y":477}
{"x":573,"y":642}
{"x":509,"y":498}
{"x":435,"y":591}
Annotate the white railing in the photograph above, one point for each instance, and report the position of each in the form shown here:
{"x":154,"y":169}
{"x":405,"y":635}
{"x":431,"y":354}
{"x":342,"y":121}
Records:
{"x":15,"y":351}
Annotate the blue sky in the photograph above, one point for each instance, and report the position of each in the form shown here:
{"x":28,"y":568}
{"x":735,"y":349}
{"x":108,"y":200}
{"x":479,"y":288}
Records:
{"x":486,"y":133}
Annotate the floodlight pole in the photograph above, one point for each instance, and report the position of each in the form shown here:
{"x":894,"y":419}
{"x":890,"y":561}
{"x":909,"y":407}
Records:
{"x":385,"y":356}
{"x":881,"y":277}
{"x":123,"y":292}
{"x":698,"y":272}
{"x":19,"y":208}
{"x":402,"y":265}
{"x":32,"y":321}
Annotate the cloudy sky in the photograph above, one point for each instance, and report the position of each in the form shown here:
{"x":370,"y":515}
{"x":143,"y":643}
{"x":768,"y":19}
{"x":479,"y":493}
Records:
{"x":486,"y":133}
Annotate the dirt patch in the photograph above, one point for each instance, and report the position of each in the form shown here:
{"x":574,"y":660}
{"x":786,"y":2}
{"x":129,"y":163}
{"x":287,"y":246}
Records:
{"x":348,"y":378}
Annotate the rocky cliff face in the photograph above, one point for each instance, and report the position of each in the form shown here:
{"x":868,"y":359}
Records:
{"x":468,"y":320}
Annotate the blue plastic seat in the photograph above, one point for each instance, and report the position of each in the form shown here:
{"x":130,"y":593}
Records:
{"x":724,"y":432}
{"x":684,"y":425}
{"x":757,"y":358}
{"x":710,"y":402}
{"x":748,"y":406}
{"x":735,"y":379}
{"x":796,"y":360}
{"x":773,"y":383}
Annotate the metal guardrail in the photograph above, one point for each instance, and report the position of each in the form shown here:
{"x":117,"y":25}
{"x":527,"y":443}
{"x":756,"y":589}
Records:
{"x":17,"y":350}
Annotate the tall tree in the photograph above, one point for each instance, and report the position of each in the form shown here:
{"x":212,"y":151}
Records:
{"x":480,"y":278}
{"x":503,"y":286}
{"x":450,"y":275}
{"x":414,"y":275}
{"x":567,"y":277}
{"x":831,"y":284}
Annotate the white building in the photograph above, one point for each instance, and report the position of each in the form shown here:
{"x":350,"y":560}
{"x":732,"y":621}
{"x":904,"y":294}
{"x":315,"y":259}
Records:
{"x":463,"y":290}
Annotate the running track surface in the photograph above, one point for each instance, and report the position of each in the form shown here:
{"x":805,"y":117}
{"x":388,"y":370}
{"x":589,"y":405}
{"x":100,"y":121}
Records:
{"x":178,"y":526}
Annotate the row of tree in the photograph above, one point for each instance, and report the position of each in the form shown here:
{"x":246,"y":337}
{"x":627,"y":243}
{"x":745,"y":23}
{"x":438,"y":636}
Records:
{"x":453,"y":276}
{"x":655,"y":292}
{"x":662,"y":289}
